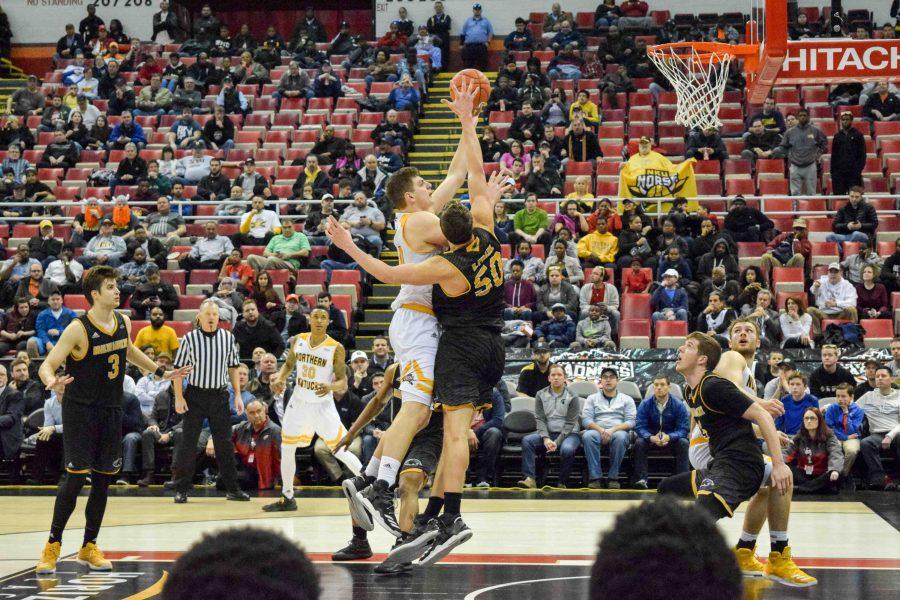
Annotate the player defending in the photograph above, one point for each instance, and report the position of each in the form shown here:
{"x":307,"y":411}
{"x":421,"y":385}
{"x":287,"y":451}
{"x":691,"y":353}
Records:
{"x":321,"y":371}
{"x":725,"y":414}
{"x":468,"y":303}
{"x":735,"y":366}
{"x":94,"y":348}
{"x":413,"y":331}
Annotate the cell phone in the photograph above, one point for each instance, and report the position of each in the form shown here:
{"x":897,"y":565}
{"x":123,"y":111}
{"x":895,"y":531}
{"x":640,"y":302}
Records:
{"x":510,"y":181}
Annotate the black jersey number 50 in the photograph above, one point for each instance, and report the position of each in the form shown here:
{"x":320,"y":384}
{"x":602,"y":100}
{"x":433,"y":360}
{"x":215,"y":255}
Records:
{"x":485,"y":281}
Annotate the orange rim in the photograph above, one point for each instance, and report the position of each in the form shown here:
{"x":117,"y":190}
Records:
{"x":704,"y":52}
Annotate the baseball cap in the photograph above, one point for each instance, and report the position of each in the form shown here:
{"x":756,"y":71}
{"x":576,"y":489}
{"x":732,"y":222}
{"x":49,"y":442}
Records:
{"x":106,"y":221}
{"x":540,"y":347}
{"x":34,"y":77}
{"x":799,"y":223}
{"x":644,"y":140}
{"x":671,"y":273}
{"x":199,"y":145}
{"x":558,"y":305}
{"x":249,"y":161}
{"x":81,"y":97}
{"x":292,"y":298}
{"x":46,"y":223}
{"x":329,"y":196}
{"x":787,"y":363}
{"x":740,"y":199}
{"x":606,"y":370}
{"x":345,"y":25}
{"x":476,"y":6}
{"x":357,"y":355}
{"x":834,"y":266}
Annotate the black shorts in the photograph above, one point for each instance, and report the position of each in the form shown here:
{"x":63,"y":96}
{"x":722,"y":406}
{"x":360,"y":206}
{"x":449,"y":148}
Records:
{"x":425,"y":450}
{"x":729,"y":481}
{"x":92,"y":437}
{"x":468,"y":364}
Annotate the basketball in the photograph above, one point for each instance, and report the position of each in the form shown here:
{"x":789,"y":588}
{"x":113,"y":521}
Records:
{"x":469,"y":76}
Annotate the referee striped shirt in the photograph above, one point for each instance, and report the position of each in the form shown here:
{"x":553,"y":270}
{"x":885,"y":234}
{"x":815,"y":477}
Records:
{"x":210,"y":355}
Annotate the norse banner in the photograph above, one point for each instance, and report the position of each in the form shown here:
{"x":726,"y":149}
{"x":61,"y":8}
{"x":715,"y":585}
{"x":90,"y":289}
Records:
{"x":641,"y":365}
{"x":660,"y":180}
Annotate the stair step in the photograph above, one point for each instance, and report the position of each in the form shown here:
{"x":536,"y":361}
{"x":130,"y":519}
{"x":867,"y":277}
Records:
{"x":374,"y":327}
{"x":379,"y":300}
{"x":385,"y":289}
{"x":440,"y":154}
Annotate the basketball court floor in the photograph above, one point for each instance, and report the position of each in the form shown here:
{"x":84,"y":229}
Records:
{"x":526,"y":545}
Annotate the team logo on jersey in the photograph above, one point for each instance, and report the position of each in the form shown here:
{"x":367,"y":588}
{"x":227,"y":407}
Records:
{"x":412,"y":463}
{"x":117,"y":463}
{"x":95,"y":336}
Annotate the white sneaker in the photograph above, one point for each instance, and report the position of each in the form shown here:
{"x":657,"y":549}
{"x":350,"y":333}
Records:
{"x":482,"y":484}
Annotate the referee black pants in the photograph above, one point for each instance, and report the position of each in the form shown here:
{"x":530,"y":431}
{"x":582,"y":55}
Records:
{"x":211,"y":405}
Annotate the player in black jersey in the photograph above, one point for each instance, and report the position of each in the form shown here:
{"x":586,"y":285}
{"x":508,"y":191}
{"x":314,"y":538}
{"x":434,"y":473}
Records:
{"x":725,"y":415}
{"x":94,"y":349}
{"x":468,"y":302}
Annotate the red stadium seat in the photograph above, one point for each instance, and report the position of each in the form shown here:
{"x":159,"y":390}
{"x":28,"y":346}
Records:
{"x":636,"y":306}
{"x":669,"y":334}
{"x":634,"y":333}
{"x":879,"y":332}
{"x":175,"y":277}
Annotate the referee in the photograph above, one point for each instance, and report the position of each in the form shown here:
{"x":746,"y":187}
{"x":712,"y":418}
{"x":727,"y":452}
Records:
{"x":213,"y":354}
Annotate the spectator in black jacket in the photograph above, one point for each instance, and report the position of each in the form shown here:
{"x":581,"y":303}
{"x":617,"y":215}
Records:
{"x":337,"y":325}
{"x":542,"y":181}
{"x":848,"y":156}
{"x":439,"y":24}
{"x":90,"y":25}
{"x":527,"y":125}
{"x":121,"y":99}
{"x":581,"y":144}
{"x":882,"y":105}
{"x":155,"y":292}
{"x":328,"y":149}
{"x":43,"y":246}
{"x":890,"y":270}
{"x":61,"y":153}
{"x":717,"y":257}
{"x":310,"y":27}
{"x":12,"y":411}
{"x":290,"y":321}
{"x":69,"y":44}
{"x":706,"y":145}
{"x":216,"y":185}
{"x":202,"y":70}
{"x":343,"y":42}
{"x":392,"y":131}
{"x":255,"y":331}
{"x":856,"y":221}
{"x":313,"y":175}
{"x":503,"y":97}
{"x":746,"y":224}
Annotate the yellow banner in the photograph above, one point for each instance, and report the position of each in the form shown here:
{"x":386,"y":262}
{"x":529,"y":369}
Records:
{"x":656,"y":177}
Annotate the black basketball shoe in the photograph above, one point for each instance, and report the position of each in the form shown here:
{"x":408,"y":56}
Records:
{"x":352,"y":487}
{"x":450,"y":536}
{"x":283,"y":504}
{"x":416,"y":543}
{"x":378,"y":500}
{"x":357,"y":549}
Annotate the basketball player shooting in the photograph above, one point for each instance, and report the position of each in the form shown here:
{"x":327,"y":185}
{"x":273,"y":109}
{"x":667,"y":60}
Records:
{"x":94,"y":348}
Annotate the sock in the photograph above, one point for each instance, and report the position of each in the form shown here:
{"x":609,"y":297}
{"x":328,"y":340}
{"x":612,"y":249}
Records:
{"x":388,"y":470}
{"x":434,"y":507}
{"x":350,"y":460}
{"x":372,"y":467}
{"x":779,"y":540}
{"x":96,"y":506}
{"x":359,"y":533}
{"x":747,"y":540}
{"x":288,"y":469}
{"x":452,"y":500}
{"x":66,"y":497}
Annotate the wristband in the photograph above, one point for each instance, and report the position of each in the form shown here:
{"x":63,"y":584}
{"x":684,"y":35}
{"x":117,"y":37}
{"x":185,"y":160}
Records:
{"x":159,"y":372}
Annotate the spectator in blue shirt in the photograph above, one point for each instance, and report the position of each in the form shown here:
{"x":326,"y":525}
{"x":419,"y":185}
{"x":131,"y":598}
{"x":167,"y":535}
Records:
{"x":387,"y":160}
{"x":475,"y":35}
{"x":486,"y":440}
{"x":795,"y":404}
{"x":669,"y":302}
{"x":845,"y":418}
{"x":126,"y":132}
{"x":185,"y":131}
{"x":661,"y":425}
{"x":49,"y":325}
{"x":404,"y":96}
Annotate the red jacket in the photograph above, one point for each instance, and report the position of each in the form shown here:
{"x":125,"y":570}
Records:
{"x":634,"y":9}
{"x":801,"y":246}
{"x":390,"y":41}
{"x":259,"y":450}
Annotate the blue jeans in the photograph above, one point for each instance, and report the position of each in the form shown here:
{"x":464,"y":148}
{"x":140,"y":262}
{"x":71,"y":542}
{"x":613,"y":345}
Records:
{"x":557,"y":73}
{"x":370,"y":80}
{"x":509,"y":315}
{"x":840,"y":238}
{"x":534,"y":444}
{"x":376,"y":241}
{"x":171,"y":84}
{"x":680,"y":315}
{"x":617,"y":446}
{"x":148,"y":113}
{"x":329,"y":265}
{"x":130,"y":444}
{"x":369,"y":444}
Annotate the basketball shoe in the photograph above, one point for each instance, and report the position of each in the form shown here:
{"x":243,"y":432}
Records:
{"x":283,"y":504}
{"x":352,"y":487}
{"x":90,"y":555}
{"x":749,"y":564}
{"x":378,"y":500}
{"x":782,"y":568}
{"x":450,"y":536}
{"x":49,"y":557}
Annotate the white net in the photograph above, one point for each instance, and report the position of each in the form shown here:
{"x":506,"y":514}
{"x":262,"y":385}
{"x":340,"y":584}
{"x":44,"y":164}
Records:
{"x":699,"y":81}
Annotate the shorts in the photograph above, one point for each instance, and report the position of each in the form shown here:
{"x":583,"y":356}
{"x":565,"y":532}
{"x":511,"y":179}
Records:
{"x":92,"y":438}
{"x":425,"y":449}
{"x":414,"y":337}
{"x":469,"y":363}
{"x":302,"y":421}
{"x":730,"y":481}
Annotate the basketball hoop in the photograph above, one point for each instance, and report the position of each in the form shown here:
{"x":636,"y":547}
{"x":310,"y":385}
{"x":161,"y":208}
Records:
{"x":698,"y":71}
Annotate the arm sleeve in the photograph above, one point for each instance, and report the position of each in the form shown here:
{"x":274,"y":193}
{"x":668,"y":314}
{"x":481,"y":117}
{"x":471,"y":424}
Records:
{"x":571,"y":421}
{"x":641,"y":421}
{"x":540,"y":417}
{"x":835,"y":454}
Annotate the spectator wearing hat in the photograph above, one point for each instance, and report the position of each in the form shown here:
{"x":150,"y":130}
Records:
{"x":475,"y":36}
{"x":745,"y":223}
{"x":606,"y":418}
{"x":556,"y":414}
{"x":788,"y":249}
{"x":835,"y":297}
{"x":191,"y":169}
{"x":44,"y":246}
{"x":343,"y":42}
{"x":778,"y":387}
{"x":290,"y":321}
{"x":559,"y":330}
{"x":61,"y":153}
{"x":314,"y":227}
{"x":669,"y":302}
{"x":855,"y":221}
{"x":848,"y":156}
{"x":27,"y":100}
{"x":105,"y":248}
{"x":252,"y":182}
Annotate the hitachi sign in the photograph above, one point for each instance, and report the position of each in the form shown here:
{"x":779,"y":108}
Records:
{"x":830,"y":60}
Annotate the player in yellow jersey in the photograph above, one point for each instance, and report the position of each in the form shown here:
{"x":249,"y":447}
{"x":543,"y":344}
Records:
{"x":321,"y":371}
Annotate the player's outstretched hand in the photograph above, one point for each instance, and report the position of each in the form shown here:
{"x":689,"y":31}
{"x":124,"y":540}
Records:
{"x":463,"y":106}
{"x":782,"y":478}
{"x":773,"y":406}
{"x":344,"y":443}
{"x":339,"y":236}
{"x":178,"y":373}
{"x":496,"y":187}
{"x":59,"y":384}
{"x":276,"y":384}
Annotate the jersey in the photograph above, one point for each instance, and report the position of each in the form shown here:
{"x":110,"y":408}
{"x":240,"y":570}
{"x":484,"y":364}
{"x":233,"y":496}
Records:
{"x":315,"y":365}
{"x":717,"y":405}
{"x":699,"y":446}
{"x":481,"y":306}
{"x":99,"y":372}
{"x":409,"y":294}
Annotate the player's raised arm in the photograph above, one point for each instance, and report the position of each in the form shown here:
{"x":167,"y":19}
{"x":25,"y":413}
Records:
{"x":428,"y":272}
{"x":456,"y":175}
{"x":74,"y":337}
